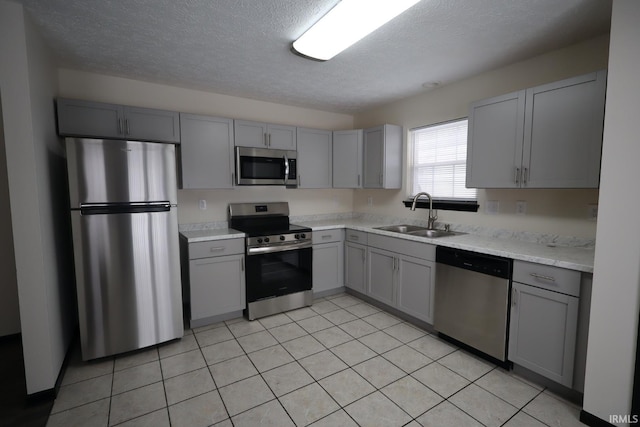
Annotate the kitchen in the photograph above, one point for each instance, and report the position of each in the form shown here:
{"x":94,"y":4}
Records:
{"x":549,"y":211}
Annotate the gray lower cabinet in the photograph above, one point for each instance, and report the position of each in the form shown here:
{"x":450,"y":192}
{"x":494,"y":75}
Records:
{"x":548,"y":136}
{"x":215,"y":279}
{"x":383,"y":157}
{"x":314,"y":158}
{"x":347,"y":158}
{"x":101,"y":120}
{"x":355,"y":261}
{"x":206,"y":152}
{"x":402,"y":275}
{"x":328,"y":260}
{"x":264,"y":135}
{"x":544,"y":320}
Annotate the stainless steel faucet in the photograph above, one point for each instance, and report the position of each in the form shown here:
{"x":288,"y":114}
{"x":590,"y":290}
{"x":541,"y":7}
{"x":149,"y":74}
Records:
{"x":432,"y":217}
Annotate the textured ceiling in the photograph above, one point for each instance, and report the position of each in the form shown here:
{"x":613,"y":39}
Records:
{"x":242,"y":47}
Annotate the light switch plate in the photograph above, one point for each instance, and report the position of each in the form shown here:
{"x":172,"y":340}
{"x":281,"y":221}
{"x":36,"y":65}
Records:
{"x":202,"y":204}
{"x":592,"y":212}
{"x":521,"y":207}
{"x":492,"y":207}
{"x":369,"y":201}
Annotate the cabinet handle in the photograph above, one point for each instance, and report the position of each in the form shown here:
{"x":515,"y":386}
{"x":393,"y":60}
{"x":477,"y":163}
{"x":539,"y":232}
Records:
{"x":517,"y":177}
{"x":126,"y":122}
{"x":216,"y":249}
{"x":358,"y":180}
{"x":232,"y":179}
{"x":380,"y":179}
{"x":326,"y":236}
{"x":354,"y":237}
{"x":524,"y":175}
{"x":543,"y":277}
{"x":269,"y":144}
{"x":514,"y":297}
{"x":264,"y":137}
{"x":242,"y":263}
{"x":299,"y":181}
{"x":119,"y":126}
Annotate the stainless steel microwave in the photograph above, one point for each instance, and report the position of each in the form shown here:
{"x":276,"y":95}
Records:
{"x":265,"y":166}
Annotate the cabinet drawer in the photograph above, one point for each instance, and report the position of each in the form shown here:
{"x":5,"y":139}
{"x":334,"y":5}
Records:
{"x":406,"y":247}
{"x":216,"y":248}
{"x":356,"y":236}
{"x":547,"y":277}
{"x":327,"y":236}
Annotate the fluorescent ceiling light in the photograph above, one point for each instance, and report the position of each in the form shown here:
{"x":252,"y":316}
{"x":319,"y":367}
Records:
{"x":345,"y":24}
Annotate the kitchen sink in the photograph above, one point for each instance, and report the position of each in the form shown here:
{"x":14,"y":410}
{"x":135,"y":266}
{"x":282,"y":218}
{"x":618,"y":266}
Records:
{"x":416,"y":230}
{"x":433,"y":233}
{"x":402,"y":228}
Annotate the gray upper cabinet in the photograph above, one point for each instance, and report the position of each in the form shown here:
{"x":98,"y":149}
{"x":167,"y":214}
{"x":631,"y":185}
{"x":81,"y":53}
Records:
{"x":314,"y":158}
{"x":100,"y":120}
{"x":347,"y":158}
{"x":563,"y":133}
{"x":383,"y":157}
{"x":548,"y":136}
{"x":206,"y":152}
{"x":494,"y":147}
{"x":264,"y":135}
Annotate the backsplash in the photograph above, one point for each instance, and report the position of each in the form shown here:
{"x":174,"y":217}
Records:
{"x":525,"y":236}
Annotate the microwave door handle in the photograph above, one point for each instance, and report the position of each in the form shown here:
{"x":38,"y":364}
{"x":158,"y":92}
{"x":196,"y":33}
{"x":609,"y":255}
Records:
{"x":286,"y":169}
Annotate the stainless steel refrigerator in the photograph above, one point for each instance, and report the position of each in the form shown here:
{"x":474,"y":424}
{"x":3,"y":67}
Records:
{"x":125,"y":241}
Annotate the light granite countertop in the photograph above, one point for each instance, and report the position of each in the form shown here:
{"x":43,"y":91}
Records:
{"x":543,"y":251}
{"x":208,"y":234}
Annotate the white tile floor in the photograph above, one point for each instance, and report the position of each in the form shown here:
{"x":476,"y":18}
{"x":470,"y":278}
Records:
{"x":341,"y":362}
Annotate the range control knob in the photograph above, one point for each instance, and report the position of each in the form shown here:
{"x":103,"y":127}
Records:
{"x":297,"y":236}
{"x":266,"y":240}
{"x":303,"y":235}
{"x":281,"y":237}
{"x":259,"y":240}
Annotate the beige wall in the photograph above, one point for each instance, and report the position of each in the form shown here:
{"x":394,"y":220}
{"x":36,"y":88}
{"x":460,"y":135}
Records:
{"x":561,"y":212}
{"x":616,"y":281}
{"x":37,"y":192}
{"x":96,"y":87}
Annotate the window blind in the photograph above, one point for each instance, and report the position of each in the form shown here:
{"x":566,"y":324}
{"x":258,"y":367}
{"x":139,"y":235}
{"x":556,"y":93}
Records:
{"x":440,"y":161}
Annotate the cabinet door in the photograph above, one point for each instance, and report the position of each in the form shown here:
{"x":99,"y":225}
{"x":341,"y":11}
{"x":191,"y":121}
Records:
{"x":347,"y":159}
{"x":281,"y":137}
{"x":542,"y":334}
{"x":494,"y":145}
{"x":355,"y":270}
{"x":250,"y":134}
{"x":90,"y":119}
{"x":206,"y":152}
{"x":217,"y":286}
{"x":314,"y":158}
{"x":381,"y":275}
{"x":415,"y":287}
{"x":563,"y":133}
{"x":373,"y":157}
{"x":328,"y":270}
{"x":151,"y":125}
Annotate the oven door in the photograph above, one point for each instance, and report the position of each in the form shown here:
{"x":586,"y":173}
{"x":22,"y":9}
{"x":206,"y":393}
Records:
{"x":259,"y":166}
{"x":279,"y":273}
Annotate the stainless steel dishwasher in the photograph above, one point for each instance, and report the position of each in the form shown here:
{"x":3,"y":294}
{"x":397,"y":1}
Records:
{"x":472,"y":293}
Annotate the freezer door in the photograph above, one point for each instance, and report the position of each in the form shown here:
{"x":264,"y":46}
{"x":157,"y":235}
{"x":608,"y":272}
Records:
{"x":113,"y":171}
{"x":128,"y":280}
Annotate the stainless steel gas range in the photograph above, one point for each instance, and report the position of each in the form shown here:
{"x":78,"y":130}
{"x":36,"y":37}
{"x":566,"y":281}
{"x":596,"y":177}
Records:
{"x":278,"y":258}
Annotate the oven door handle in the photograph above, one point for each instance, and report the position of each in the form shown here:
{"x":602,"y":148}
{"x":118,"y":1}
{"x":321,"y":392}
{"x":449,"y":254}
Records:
{"x":271,"y":249}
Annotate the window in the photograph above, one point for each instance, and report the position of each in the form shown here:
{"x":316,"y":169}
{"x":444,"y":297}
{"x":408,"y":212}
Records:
{"x":440,"y":161}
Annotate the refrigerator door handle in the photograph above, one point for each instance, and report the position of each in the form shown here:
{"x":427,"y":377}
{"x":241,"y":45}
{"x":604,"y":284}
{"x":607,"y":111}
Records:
{"x":116,"y":208}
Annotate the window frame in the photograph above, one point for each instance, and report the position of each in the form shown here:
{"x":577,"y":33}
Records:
{"x":442,"y":203}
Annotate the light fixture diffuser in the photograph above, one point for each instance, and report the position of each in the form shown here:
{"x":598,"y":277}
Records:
{"x":345,"y":24}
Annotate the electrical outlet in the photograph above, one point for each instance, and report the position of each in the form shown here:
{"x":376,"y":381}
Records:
{"x":592,"y":212}
{"x":521,"y":207}
{"x":492,"y":207}
{"x":202,"y":204}
{"x":369,"y":201}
